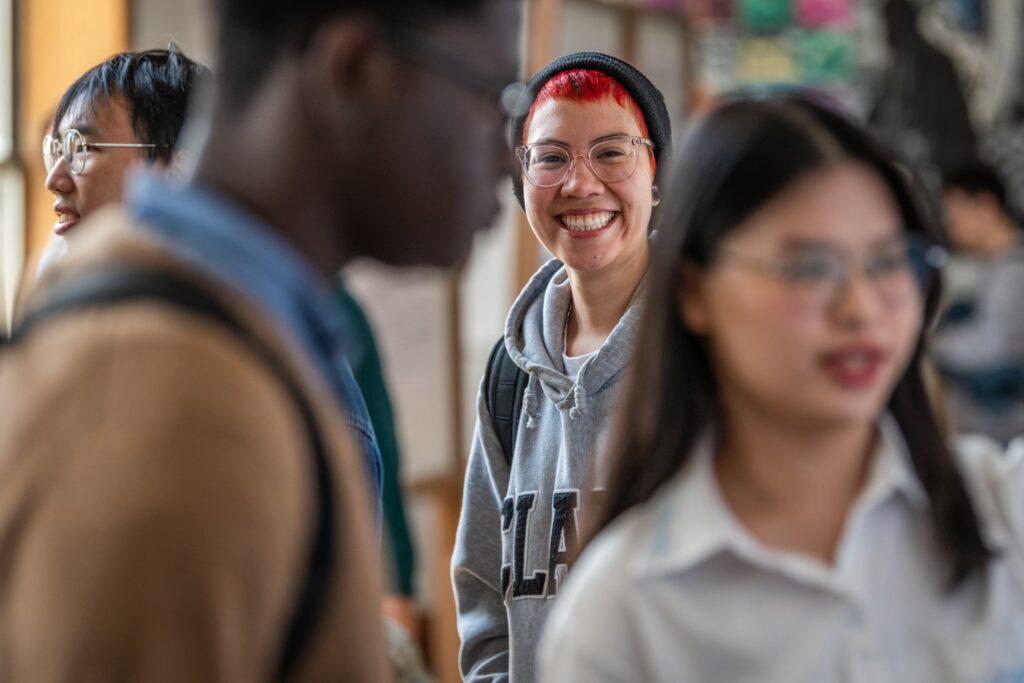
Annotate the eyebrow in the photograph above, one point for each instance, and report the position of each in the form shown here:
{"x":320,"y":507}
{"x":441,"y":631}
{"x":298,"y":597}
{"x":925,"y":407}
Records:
{"x":791,"y":244}
{"x":602,"y":138}
{"x":802,"y":243}
{"x":82,"y":127}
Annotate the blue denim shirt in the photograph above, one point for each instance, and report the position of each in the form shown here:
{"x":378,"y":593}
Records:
{"x":232,"y":245}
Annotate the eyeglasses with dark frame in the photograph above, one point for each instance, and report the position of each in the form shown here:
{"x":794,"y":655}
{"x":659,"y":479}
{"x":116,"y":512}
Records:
{"x":74,"y":149}
{"x":507,"y":92}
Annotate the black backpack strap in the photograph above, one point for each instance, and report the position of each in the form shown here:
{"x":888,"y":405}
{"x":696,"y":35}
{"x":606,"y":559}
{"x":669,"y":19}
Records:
{"x":504,"y":387}
{"x":132,"y":284}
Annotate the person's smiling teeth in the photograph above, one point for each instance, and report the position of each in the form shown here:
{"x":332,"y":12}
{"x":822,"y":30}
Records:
{"x":587,"y":222}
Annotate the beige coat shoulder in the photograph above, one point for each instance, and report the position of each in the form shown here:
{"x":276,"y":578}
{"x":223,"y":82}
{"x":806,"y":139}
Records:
{"x":156,"y":500}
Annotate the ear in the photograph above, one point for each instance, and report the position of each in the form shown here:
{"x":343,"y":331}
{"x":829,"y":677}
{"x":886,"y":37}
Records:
{"x":988,"y":201}
{"x":337,"y":66}
{"x":690,"y":294}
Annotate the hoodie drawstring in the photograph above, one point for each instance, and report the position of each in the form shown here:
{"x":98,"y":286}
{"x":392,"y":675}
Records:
{"x":577,"y":400}
{"x":528,"y":403}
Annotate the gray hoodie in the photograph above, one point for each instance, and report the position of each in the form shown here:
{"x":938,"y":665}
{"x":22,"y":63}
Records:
{"x":518,"y":527}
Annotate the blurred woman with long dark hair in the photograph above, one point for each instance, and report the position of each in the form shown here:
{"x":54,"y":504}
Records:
{"x":782,"y":505}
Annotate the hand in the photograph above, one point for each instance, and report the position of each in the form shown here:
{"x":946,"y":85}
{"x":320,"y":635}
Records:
{"x":402,"y":610}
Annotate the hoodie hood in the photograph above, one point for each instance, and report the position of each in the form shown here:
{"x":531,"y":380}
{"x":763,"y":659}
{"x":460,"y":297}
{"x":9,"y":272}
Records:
{"x":535,"y":339}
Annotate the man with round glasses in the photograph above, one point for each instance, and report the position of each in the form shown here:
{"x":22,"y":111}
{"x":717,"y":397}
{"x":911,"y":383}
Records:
{"x":132,"y":106}
{"x":128,"y":108}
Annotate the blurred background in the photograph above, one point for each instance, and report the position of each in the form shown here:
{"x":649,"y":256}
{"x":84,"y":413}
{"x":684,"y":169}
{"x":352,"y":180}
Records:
{"x":437,"y":328}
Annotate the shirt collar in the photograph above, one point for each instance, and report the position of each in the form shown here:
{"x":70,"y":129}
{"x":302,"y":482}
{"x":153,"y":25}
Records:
{"x":237,"y":247}
{"x":892,"y":470}
{"x":691,"y":522}
{"x":232,"y":245}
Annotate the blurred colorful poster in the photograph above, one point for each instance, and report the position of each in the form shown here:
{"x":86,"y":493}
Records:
{"x":714,"y":10}
{"x":816,"y":13}
{"x":824,"y":57}
{"x":765,"y":16}
{"x":764,"y":60}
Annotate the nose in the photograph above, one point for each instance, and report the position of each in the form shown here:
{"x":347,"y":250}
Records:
{"x":59,"y":180}
{"x":581,"y":181}
{"x":857,"y":300}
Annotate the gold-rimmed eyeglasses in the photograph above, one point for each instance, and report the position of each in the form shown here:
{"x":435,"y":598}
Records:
{"x":74,"y":149}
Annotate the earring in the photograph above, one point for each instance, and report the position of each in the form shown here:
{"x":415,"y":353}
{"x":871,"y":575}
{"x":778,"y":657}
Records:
{"x":655,"y":195}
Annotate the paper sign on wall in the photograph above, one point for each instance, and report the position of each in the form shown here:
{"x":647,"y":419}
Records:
{"x":764,"y":60}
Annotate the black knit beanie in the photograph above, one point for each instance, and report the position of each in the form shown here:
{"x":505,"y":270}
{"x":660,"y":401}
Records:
{"x":647,"y":97}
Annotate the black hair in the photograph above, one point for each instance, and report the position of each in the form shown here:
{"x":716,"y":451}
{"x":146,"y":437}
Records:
{"x":901,"y":18}
{"x":903,"y":11}
{"x":736,"y":160}
{"x":974,"y":178}
{"x":254,"y":33}
{"x":154,"y":85}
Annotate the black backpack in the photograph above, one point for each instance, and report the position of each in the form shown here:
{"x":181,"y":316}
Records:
{"x":131,"y":284}
{"x":504,"y":387}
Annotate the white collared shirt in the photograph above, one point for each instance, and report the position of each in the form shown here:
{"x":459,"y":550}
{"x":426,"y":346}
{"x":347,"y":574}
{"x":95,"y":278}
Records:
{"x":678,"y":590}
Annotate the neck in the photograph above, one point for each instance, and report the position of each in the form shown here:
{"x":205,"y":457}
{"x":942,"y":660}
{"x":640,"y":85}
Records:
{"x":792,"y":485}
{"x":1001,"y":238}
{"x":599,"y":299}
{"x":270,"y":180}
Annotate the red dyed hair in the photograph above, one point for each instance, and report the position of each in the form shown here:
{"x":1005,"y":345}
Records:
{"x":587,"y":85}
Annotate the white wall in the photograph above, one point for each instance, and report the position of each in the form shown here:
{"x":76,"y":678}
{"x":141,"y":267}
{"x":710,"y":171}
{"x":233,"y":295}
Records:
{"x":12,"y":191}
{"x":155,"y":23}
{"x":409,"y":310}
{"x":660,"y":54}
{"x":12,"y":239}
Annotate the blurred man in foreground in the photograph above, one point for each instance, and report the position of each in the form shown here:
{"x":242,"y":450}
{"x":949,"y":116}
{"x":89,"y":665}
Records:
{"x":181,"y":497}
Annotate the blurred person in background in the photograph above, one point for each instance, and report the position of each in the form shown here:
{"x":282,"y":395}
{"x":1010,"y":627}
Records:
{"x":590,"y":147}
{"x":127,"y":109}
{"x":921,"y":108}
{"x":181,"y":493}
{"x":398,"y":553}
{"x":979,"y":347}
{"x":782,"y":504}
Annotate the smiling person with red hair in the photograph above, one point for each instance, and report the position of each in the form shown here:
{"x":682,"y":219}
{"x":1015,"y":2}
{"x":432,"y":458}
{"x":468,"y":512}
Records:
{"x":588,"y":147}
